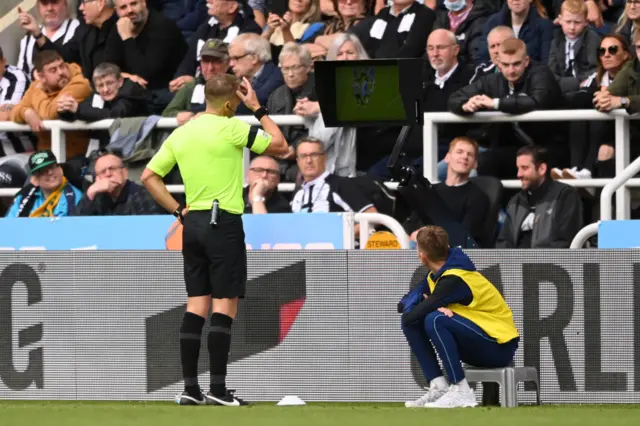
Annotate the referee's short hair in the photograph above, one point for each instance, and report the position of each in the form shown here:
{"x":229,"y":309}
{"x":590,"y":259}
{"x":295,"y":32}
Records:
{"x":220,"y":88}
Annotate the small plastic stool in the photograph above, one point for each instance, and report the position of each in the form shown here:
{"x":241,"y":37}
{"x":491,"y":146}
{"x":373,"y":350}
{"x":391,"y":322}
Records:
{"x":507,"y":378}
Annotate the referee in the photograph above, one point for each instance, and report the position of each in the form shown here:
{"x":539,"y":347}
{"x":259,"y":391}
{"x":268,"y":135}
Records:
{"x":209,"y":153}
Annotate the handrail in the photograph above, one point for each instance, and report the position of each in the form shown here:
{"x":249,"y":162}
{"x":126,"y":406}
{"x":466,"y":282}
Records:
{"x":58,"y":127}
{"x":620,"y":116}
{"x":616,"y":183}
{"x":381,"y":219}
{"x":547,"y":115}
{"x":163,"y":123}
{"x":584,"y":234}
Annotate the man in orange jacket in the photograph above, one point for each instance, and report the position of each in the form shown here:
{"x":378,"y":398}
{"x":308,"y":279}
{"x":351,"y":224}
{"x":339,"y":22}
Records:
{"x":55,"y":81}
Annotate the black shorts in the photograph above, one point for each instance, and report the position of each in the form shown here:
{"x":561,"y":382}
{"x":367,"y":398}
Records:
{"x":215,"y":258}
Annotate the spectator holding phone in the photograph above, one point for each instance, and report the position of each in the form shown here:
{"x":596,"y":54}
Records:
{"x":301,"y":23}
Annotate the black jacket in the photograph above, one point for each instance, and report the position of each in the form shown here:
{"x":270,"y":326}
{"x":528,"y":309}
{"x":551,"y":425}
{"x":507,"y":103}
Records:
{"x":88,"y":46}
{"x":211,"y":29}
{"x":537,"y":89}
{"x":133,"y":200}
{"x":131,"y":101}
{"x":585,"y":57}
{"x":435,"y":99}
{"x":558,"y":216}
{"x":469,"y":32}
{"x":394,"y":44}
{"x":154,"y":54}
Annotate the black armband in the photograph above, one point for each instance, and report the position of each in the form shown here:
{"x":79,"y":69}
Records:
{"x":260,"y":112}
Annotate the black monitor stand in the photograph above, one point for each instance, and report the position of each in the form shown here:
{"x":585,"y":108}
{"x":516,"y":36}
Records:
{"x":418,"y":193}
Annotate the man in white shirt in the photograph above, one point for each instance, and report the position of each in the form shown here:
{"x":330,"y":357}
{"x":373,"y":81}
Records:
{"x":57,"y":27}
{"x":321,"y":191}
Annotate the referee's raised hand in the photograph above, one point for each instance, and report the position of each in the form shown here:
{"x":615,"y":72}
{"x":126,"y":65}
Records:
{"x":247,"y":95}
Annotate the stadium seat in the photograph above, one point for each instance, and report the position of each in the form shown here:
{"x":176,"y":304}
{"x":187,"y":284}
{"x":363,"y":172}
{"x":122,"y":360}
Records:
{"x":507,"y":378}
{"x":493,"y":188}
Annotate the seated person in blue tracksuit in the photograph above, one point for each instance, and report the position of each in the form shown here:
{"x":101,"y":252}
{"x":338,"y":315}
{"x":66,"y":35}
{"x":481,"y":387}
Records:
{"x":49,"y":194}
{"x":462,"y":314}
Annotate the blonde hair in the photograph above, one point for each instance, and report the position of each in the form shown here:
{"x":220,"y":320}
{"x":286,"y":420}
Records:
{"x":464,"y":139}
{"x":313,"y":14}
{"x":624,"y":18}
{"x":577,"y":7}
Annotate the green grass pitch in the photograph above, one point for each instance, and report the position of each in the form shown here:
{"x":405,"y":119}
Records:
{"x":54,"y":413}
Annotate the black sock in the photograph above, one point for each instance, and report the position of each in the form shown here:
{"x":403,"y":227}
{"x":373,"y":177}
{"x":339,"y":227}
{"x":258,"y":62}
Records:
{"x":190,"y":335}
{"x":219,"y":343}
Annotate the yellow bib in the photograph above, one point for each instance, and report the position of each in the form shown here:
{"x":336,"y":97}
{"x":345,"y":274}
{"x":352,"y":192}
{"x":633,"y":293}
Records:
{"x":488,"y":309}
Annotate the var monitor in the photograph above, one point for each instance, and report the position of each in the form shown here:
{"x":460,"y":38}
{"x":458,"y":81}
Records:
{"x":376,"y":92}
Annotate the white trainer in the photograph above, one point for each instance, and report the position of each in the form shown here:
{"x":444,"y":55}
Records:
{"x":456,"y":397}
{"x":432,"y":395}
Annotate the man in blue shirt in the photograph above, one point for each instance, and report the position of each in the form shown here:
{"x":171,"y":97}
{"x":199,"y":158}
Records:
{"x":49,"y":194}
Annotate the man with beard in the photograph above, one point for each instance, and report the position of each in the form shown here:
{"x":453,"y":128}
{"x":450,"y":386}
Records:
{"x":147,"y":47}
{"x":49,"y":194}
{"x":87,"y":47}
{"x":57,"y":28}
{"x":546,"y":213}
{"x":56,"y":79}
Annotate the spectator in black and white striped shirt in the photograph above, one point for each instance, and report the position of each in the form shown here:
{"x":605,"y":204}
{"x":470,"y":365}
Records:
{"x":57,"y":26}
{"x":13,"y":84}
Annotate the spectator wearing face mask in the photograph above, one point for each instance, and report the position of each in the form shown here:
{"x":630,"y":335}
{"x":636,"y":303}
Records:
{"x":465,"y":18}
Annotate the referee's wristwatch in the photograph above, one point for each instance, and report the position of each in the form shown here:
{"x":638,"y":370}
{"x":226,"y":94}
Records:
{"x":260,"y":112}
{"x":178,"y":214}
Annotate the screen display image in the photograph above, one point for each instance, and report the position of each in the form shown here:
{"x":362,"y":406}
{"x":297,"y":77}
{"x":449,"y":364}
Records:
{"x":368,"y":93}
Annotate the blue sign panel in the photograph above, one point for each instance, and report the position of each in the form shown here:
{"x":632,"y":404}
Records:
{"x":263,"y":231}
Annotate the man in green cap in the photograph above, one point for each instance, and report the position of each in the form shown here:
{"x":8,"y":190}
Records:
{"x":189,"y":100}
{"x":48,"y":194}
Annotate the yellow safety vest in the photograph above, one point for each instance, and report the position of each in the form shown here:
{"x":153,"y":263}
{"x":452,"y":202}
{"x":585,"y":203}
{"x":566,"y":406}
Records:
{"x":488,"y":309}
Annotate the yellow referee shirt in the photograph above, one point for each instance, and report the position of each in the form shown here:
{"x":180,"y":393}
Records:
{"x":209,"y":154}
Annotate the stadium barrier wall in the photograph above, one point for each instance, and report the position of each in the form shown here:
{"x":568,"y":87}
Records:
{"x":318,"y":324}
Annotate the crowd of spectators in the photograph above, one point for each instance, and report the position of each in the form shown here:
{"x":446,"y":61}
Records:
{"x":147,"y":58}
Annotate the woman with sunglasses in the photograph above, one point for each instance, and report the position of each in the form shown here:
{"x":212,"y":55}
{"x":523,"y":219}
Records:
{"x":592,"y":142}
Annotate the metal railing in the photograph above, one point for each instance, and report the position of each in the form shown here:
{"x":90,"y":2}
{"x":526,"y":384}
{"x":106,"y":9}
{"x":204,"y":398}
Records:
{"x":621,"y":118}
{"x":605,"y":203}
{"x":431,"y":121}
{"x":364,"y":219}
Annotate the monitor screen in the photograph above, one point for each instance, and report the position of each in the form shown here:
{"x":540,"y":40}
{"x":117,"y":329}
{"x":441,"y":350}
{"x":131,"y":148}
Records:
{"x":368,"y":93}
{"x":377,"y":92}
